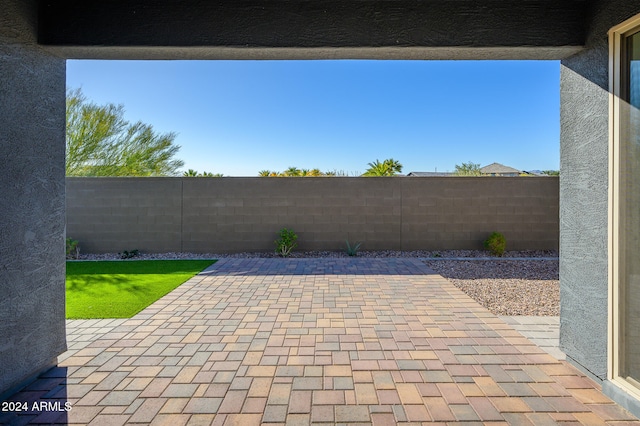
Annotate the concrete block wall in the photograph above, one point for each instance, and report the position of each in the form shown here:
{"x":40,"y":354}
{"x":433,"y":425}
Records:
{"x":116,"y":214}
{"x":245,"y":214}
{"x":459,"y":213}
{"x":238,"y":214}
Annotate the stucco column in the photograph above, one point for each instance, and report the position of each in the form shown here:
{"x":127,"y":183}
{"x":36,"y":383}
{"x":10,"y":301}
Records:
{"x":584,"y":108}
{"x":584,"y":180}
{"x":32,"y":208}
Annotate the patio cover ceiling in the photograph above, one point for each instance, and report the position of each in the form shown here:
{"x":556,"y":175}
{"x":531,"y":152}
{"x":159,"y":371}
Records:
{"x":313,"y":29}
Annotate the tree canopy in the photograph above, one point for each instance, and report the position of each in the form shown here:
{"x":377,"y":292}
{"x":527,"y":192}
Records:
{"x":100,"y":142}
{"x":468,"y":169}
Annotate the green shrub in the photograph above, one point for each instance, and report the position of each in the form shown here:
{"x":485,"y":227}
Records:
{"x":496,"y":244}
{"x":129,"y":254}
{"x":352,"y":251}
{"x":72,"y":248}
{"x":286,"y":243}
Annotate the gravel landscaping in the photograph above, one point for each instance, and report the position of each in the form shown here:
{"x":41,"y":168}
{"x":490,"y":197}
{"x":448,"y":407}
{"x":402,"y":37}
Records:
{"x":443,"y":254}
{"x":505,"y":287}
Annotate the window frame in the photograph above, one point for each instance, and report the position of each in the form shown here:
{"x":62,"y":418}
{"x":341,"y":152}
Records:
{"x":617,"y":73}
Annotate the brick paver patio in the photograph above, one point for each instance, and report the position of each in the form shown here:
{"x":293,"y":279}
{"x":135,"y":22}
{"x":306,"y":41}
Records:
{"x":303,"y":341}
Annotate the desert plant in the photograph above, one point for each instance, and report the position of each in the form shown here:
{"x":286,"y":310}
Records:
{"x":286,"y":243}
{"x":352,"y":250}
{"x":72,"y":248}
{"x":129,"y":254}
{"x":102,"y":142}
{"x":496,"y":244}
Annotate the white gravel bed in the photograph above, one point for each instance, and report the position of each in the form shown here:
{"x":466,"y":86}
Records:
{"x":506,"y":287}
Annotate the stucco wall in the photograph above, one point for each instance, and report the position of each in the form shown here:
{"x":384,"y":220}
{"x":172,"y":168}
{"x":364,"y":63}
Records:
{"x":583,"y":190}
{"x":32,"y":105}
{"x":240,"y":214}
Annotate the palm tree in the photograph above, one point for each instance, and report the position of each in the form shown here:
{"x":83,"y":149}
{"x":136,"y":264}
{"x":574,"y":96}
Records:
{"x":264,"y":173}
{"x":375,"y":169}
{"x":292,"y":171}
{"x":388,"y":167}
{"x":393,"y":167}
{"x":190,"y":173}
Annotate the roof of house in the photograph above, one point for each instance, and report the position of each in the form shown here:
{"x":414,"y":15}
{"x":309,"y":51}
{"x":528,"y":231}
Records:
{"x":497,"y":168}
{"x":429,"y":174}
{"x":533,"y":172}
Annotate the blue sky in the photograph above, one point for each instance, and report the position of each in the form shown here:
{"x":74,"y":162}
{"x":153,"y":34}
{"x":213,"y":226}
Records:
{"x":240,"y":117}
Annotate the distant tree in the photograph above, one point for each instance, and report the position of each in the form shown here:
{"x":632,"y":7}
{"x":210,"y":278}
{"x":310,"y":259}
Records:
{"x":376,"y":169}
{"x":343,"y":173}
{"x":468,"y":169}
{"x":292,"y":172}
{"x":100,"y":142}
{"x":295,"y":172}
{"x":551,"y":172}
{"x":193,"y":173}
{"x":388,"y":167}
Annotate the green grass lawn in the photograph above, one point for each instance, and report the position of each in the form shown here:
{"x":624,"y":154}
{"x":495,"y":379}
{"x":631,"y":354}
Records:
{"x":114,"y":289}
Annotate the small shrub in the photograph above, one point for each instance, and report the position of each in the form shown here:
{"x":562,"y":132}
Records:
{"x":72,"y":248}
{"x":129,"y":254}
{"x":352,"y":251}
{"x":286,"y":243}
{"x":496,"y":244}
{"x":437,"y":254}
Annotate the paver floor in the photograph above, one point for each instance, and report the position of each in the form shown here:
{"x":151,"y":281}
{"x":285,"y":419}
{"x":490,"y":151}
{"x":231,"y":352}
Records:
{"x":543,"y":331}
{"x":306,"y":341}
